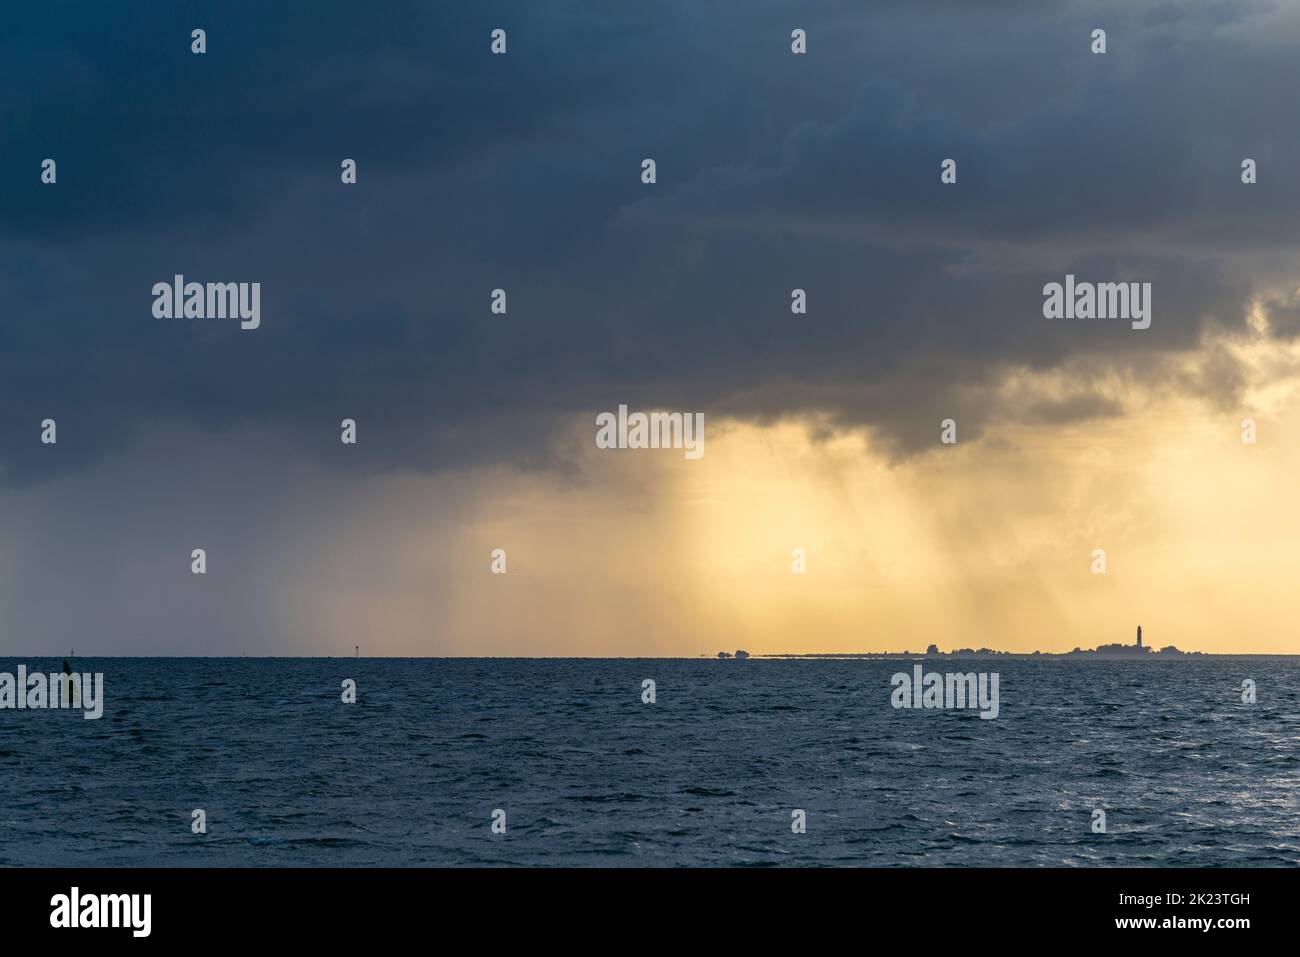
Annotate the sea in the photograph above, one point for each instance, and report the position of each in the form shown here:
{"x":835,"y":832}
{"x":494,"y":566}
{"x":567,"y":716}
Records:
{"x":567,"y":762}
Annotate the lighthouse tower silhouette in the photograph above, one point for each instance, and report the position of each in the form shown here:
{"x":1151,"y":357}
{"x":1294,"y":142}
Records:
{"x":1139,"y":636}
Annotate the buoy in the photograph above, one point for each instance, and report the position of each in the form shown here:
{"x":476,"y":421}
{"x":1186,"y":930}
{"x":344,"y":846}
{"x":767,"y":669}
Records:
{"x":68,"y":687}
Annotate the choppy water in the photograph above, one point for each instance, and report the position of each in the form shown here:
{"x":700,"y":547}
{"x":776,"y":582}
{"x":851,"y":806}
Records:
{"x":708,"y":775}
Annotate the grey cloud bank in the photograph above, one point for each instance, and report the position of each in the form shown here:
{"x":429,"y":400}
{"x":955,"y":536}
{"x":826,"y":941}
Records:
{"x":775,"y":171}
{"x":522,"y":172}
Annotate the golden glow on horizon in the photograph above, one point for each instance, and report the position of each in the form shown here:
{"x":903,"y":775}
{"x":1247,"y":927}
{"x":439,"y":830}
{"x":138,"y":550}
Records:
{"x":988,"y":543}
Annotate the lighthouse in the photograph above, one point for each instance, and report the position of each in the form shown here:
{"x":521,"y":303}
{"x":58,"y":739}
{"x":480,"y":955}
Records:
{"x":1139,"y":636}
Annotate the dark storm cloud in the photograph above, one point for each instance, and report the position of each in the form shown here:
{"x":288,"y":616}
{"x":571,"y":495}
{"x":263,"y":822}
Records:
{"x":1283,"y":315}
{"x":522,"y":172}
{"x":143,"y":128}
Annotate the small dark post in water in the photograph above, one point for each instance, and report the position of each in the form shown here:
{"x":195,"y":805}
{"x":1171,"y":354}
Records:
{"x":69,"y":688}
{"x":359,"y":650}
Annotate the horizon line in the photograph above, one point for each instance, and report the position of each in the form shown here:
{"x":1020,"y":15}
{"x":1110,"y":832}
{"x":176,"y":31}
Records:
{"x":782,"y":656}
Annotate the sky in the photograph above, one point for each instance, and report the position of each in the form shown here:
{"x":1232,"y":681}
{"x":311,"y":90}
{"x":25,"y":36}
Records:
{"x":774,"y":171}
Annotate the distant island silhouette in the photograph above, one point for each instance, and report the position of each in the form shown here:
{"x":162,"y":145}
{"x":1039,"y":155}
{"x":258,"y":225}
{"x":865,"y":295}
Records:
{"x":1111,"y":651}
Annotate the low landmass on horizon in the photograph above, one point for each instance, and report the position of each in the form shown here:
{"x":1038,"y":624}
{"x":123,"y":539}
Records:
{"x":1116,"y":650}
